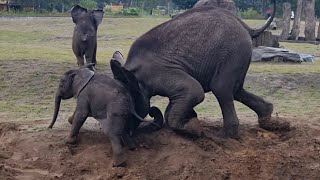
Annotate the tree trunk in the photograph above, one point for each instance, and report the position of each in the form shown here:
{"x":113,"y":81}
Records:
{"x":310,"y":28}
{"x":319,"y":31}
{"x":168,"y":6}
{"x":296,"y":24}
{"x":286,"y":21}
{"x":62,"y":8}
{"x":266,"y":39}
{"x":7,"y":5}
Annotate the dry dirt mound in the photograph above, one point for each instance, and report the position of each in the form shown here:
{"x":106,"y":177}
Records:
{"x":27,"y":152}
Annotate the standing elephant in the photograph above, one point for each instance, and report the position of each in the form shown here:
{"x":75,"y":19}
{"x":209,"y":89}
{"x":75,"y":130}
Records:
{"x":84,"y":41}
{"x":203,"y":49}
{"x":109,"y":102}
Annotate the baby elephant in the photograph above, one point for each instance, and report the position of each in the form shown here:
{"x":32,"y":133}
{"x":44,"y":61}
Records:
{"x":108,"y":101}
{"x":84,"y":41}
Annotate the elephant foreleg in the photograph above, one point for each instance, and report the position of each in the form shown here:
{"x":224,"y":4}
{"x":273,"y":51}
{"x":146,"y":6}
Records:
{"x":80,"y":117}
{"x":113,"y":127}
{"x":70,"y":119}
{"x":80,"y":60}
{"x":90,"y":55}
{"x":185,"y":93}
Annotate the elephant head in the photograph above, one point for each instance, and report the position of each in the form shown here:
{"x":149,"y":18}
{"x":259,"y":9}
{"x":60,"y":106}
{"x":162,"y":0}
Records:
{"x":142,"y":102}
{"x":70,"y":86}
{"x":87,"y":22}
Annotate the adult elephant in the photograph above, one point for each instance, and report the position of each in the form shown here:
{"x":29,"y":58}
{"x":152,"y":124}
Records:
{"x":204,"y":49}
{"x":225,"y":4}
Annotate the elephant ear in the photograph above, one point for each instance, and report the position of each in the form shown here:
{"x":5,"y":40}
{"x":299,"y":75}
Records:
{"x":98,"y":16}
{"x":76,"y":12}
{"x":124,"y":76}
{"x":67,"y":80}
{"x":90,"y":66}
{"x":83,"y":77}
{"x":118,"y":57}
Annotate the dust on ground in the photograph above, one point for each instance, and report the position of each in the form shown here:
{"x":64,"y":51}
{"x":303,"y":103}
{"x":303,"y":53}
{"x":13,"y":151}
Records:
{"x":29,"y":151}
{"x":259,"y":154}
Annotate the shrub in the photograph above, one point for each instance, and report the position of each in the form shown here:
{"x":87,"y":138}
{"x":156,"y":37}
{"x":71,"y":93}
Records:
{"x":250,"y":14}
{"x":89,"y":4}
{"x":130,"y":12}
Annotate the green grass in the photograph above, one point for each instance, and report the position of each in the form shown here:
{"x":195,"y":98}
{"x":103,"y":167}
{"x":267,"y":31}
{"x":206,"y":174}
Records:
{"x":50,"y":38}
{"x":36,"y":51}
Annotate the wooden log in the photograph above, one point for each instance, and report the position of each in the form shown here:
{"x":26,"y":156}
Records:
{"x":266,"y":54}
{"x":301,"y":41}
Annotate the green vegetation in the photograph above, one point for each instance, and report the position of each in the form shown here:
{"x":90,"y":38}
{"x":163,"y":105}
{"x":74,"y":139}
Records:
{"x":35,"y":52}
{"x":250,"y":14}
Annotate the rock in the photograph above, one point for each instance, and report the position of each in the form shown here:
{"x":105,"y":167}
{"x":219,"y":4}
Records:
{"x":263,"y":53}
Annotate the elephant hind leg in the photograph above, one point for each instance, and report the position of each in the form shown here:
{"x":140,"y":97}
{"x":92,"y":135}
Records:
{"x":225,"y":98}
{"x":257,"y":104}
{"x":184,"y":94}
{"x":262,"y":108}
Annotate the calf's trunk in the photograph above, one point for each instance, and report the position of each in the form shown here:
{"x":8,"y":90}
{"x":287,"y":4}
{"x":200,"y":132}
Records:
{"x":57,"y":102}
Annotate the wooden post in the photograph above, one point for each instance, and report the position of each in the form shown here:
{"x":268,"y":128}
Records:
{"x":286,"y":21}
{"x":310,"y":28}
{"x":296,"y":23}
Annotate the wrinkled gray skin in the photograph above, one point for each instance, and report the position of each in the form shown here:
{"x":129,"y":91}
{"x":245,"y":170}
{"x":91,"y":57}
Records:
{"x":203,"y":50}
{"x":108,"y":101}
{"x":84,"y":41}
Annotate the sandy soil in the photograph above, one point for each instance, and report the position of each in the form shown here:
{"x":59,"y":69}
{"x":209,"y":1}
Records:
{"x":29,"y":151}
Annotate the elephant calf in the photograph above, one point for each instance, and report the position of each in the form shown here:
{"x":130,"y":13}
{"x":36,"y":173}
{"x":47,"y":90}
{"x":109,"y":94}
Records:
{"x":84,"y":41}
{"x":108,"y":101}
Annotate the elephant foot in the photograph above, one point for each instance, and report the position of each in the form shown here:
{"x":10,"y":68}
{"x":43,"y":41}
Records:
{"x":231,"y":132}
{"x":274,"y":124}
{"x":119,"y":160}
{"x":192,"y":127}
{"x":71,"y":140}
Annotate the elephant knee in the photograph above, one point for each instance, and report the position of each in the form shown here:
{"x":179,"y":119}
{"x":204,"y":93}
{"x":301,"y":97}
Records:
{"x":195,"y":96}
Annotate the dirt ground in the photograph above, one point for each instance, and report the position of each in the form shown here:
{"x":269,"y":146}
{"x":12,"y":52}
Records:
{"x":29,"y":151}
{"x":26,"y":154}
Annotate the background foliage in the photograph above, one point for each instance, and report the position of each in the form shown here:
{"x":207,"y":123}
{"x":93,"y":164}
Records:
{"x":244,"y":6}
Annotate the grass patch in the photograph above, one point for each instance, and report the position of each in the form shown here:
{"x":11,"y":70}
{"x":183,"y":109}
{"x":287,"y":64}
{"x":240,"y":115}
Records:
{"x":35,"y":52}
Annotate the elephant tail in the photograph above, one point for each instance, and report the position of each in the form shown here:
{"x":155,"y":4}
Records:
{"x":148,"y":126}
{"x":256,"y":32}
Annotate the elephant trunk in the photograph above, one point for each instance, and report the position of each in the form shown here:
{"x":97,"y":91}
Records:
{"x":56,"y":110}
{"x":155,"y":125}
